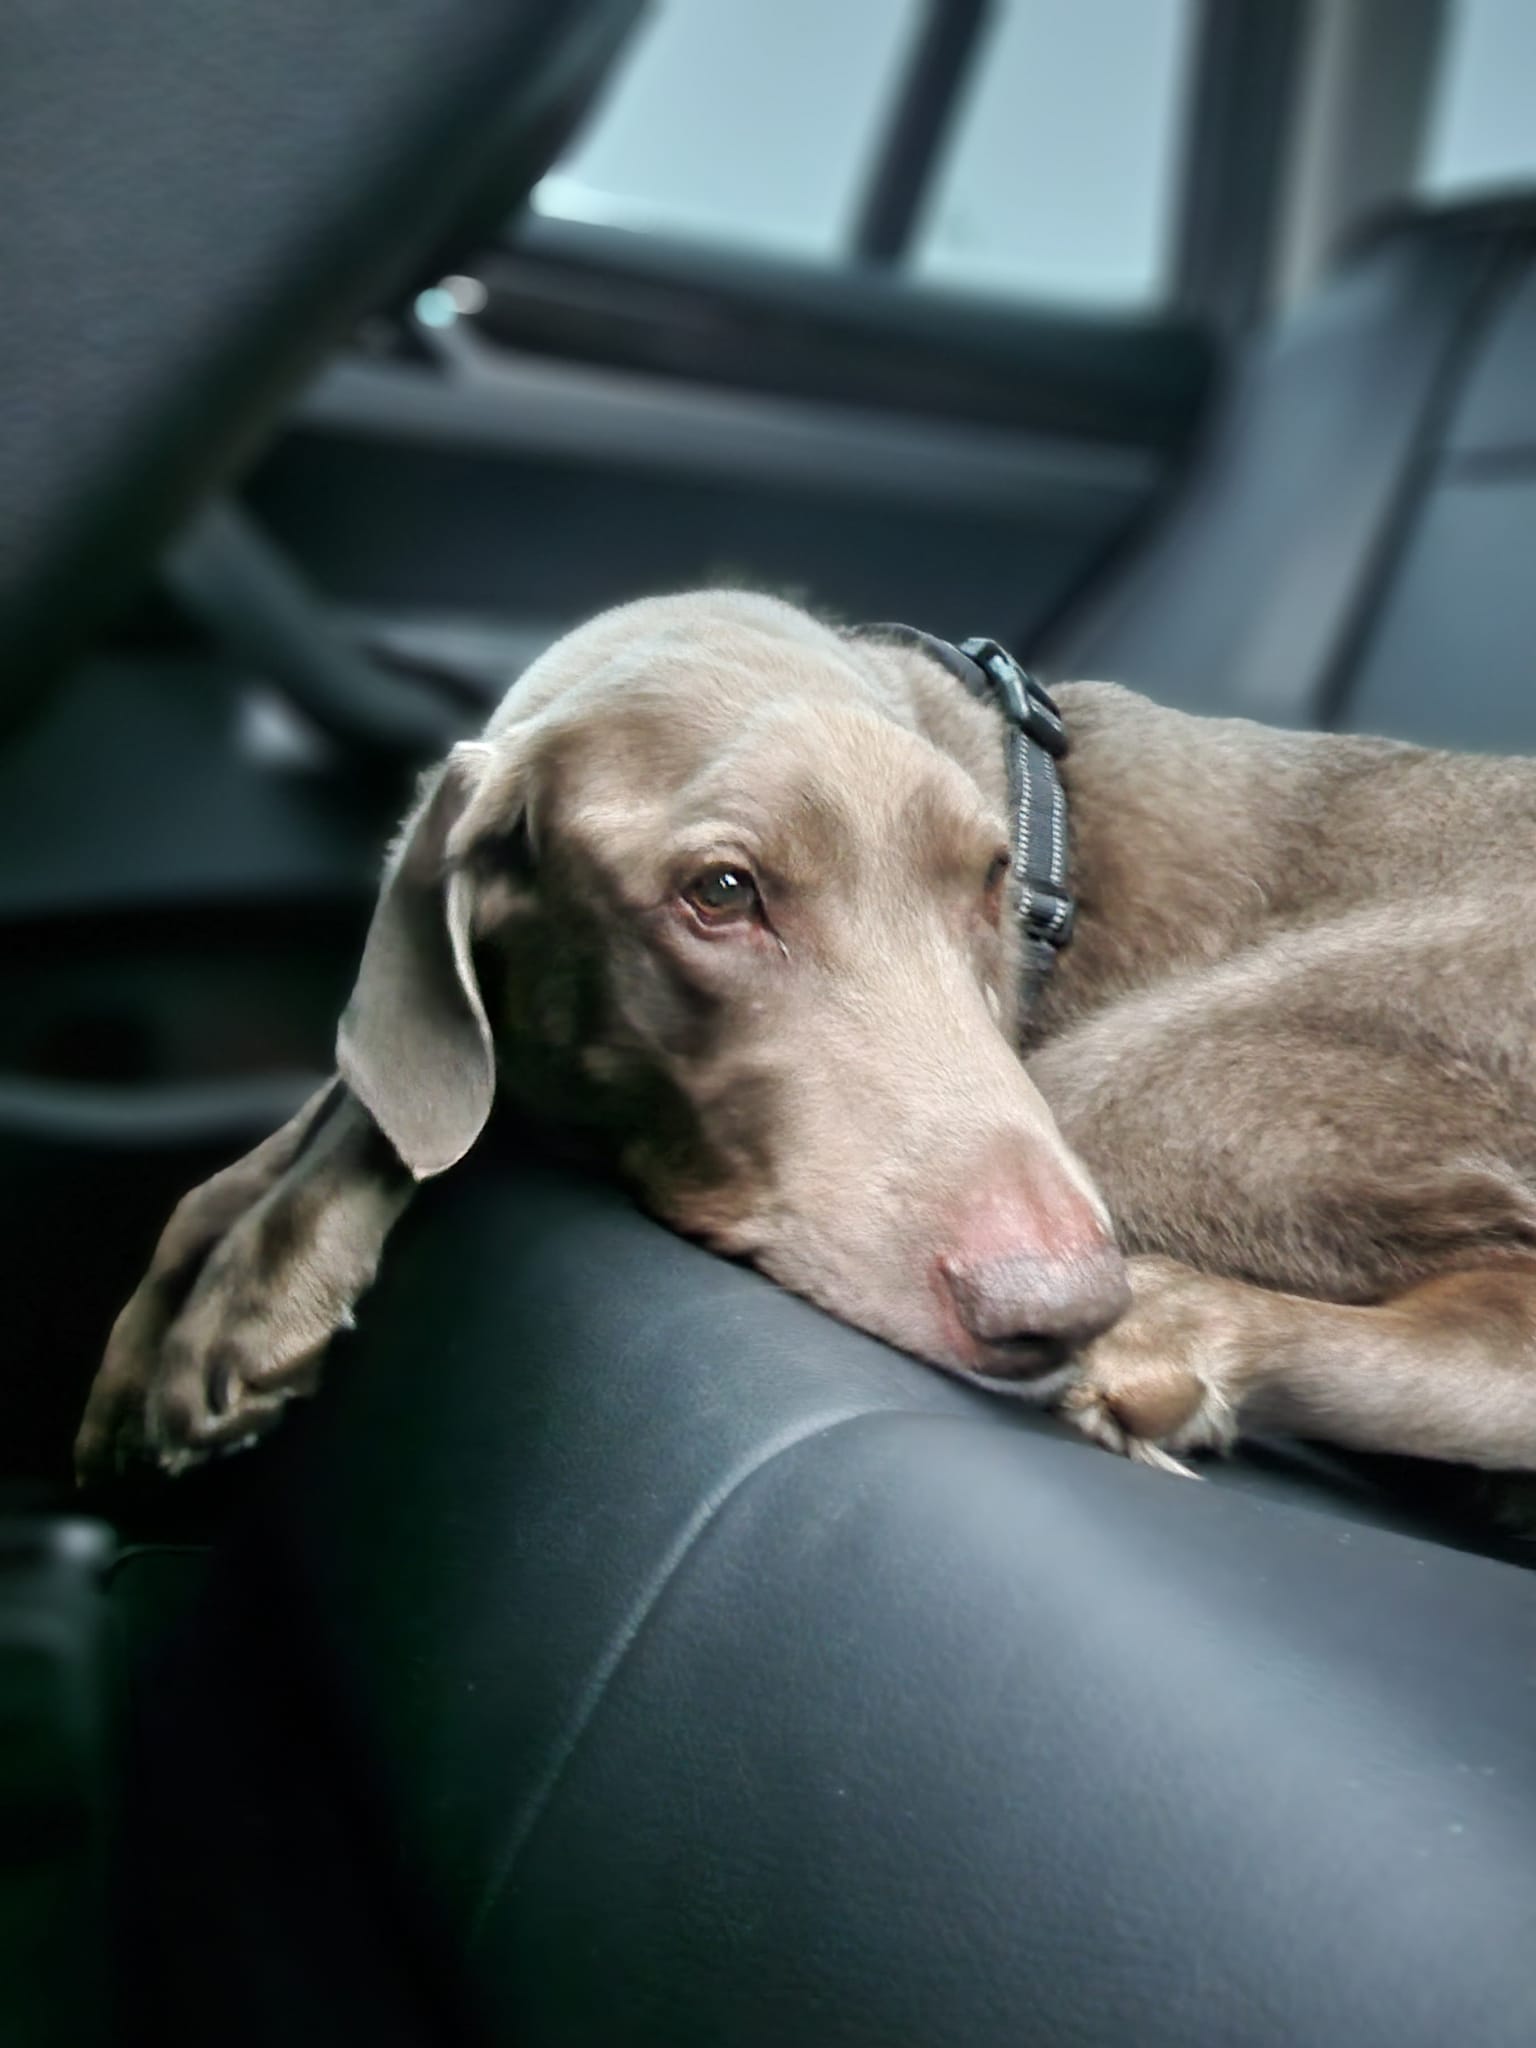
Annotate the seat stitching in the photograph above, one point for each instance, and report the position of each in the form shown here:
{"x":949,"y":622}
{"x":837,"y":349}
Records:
{"x":630,"y":1630}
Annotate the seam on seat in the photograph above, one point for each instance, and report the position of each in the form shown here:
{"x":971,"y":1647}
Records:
{"x":627,"y":1636}
{"x":633,"y":1626}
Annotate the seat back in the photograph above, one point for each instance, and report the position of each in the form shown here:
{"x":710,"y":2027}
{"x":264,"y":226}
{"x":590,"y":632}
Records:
{"x":197,"y":201}
{"x":1351,"y":546}
{"x":1450,"y":657}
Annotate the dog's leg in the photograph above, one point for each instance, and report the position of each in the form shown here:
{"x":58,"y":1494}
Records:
{"x":1447,"y":1369}
{"x":256,"y":1271}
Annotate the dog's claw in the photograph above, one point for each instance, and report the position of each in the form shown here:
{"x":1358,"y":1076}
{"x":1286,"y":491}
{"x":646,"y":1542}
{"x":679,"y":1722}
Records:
{"x":1160,"y":1460}
{"x":1091,"y":1411}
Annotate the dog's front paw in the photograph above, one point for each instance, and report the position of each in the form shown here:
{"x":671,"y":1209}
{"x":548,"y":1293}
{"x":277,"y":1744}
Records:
{"x":1162,"y":1381}
{"x":177,"y":1388}
{"x":226,"y":1373}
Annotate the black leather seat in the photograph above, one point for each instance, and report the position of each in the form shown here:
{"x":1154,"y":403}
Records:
{"x":1350,"y":548}
{"x":621,"y":1652}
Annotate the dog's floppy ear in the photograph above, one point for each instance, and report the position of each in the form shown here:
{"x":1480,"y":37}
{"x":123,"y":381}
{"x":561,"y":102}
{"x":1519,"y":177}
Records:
{"x":414,"y":1044}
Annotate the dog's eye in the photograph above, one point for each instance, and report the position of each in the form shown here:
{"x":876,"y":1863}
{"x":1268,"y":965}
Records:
{"x":997,"y":873}
{"x":722,"y":895}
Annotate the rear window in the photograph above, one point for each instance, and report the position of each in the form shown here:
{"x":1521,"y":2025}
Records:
{"x":764,"y":124}
{"x":1482,"y":127}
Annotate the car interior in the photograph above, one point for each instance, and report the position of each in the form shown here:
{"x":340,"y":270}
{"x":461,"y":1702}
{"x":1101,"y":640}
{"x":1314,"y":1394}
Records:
{"x":617,"y":1649}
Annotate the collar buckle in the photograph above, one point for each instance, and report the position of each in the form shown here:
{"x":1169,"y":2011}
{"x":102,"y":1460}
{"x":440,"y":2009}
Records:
{"x":1036,"y":741}
{"x":1022,"y":701}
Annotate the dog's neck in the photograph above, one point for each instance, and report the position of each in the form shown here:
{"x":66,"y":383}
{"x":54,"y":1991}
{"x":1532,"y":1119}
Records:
{"x":1192,"y":839}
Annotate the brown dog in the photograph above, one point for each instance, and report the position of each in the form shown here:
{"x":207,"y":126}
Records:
{"x":722,"y":896}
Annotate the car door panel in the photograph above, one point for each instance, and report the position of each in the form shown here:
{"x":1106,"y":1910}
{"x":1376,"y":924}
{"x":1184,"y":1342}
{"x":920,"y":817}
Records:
{"x":622,"y":417}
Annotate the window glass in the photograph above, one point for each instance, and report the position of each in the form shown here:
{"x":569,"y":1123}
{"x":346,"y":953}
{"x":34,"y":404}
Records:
{"x":1483,"y":127}
{"x":1062,"y":175}
{"x":760,"y":124}
{"x":742,"y":121}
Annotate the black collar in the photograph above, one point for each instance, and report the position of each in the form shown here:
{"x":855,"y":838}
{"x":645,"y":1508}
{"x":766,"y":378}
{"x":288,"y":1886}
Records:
{"x":1036,"y":741}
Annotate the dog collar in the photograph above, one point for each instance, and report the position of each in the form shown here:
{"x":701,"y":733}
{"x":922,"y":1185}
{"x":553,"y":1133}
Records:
{"x":1036,"y":740}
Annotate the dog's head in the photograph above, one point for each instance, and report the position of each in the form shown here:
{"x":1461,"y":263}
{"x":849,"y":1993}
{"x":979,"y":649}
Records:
{"x":727,"y":893}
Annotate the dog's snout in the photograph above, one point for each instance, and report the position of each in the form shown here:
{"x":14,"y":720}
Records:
{"x":1028,"y":1310}
{"x":1030,"y":1300}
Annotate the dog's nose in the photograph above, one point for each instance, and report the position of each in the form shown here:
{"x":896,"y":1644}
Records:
{"x":1029,"y":1309}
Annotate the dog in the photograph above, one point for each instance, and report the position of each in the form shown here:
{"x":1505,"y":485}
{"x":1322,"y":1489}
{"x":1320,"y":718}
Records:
{"x":724,"y":898}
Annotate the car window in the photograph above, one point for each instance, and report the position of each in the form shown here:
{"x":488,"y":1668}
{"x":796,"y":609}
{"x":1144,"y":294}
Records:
{"x":1060,"y":178}
{"x":752,"y":122}
{"x":1482,"y":127}
{"x":764,"y":124}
